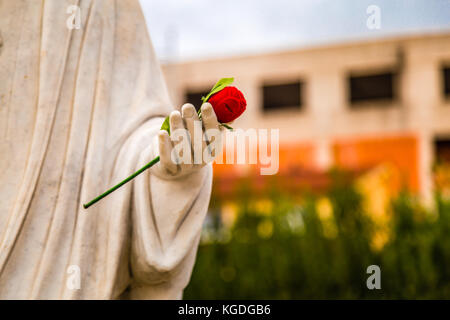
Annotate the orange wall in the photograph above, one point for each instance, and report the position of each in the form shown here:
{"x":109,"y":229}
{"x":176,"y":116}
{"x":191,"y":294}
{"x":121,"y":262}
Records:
{"x":290,"y":155}
{"x":351,"y":154}
{"x":401,"y":151}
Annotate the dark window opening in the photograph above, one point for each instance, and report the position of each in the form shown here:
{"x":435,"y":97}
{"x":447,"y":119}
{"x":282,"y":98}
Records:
{"x":372,"y":88}
{"x":446,"y":76}
{"x":282,"y":96}
{"x":195,"y":98}
{"x":442,"y":150}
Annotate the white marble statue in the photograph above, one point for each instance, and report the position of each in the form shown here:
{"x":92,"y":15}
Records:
{"x":80,"y":110}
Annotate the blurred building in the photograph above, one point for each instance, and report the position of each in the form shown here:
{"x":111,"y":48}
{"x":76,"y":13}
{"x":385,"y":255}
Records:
{"x":351,"y":105}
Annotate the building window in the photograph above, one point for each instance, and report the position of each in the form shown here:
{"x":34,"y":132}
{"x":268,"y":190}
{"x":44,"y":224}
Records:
{"x":195,"y":97}
{"x":282,"y":96}
{"x":442,"y":150}
{"x":446,"y":81}
{"x":372,"y":88}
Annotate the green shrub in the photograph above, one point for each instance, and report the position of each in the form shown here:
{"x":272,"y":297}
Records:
{"x":287,"y":254}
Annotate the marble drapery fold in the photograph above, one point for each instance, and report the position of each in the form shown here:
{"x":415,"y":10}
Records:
{"x":79,"y":110}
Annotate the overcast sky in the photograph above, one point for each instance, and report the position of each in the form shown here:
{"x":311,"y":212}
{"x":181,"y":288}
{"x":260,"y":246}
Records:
{"x":186,"y":30}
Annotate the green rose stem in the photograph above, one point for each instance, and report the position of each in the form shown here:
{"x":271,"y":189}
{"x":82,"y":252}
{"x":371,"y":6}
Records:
{"x":221,"y":84}
{"x":117,"y":186}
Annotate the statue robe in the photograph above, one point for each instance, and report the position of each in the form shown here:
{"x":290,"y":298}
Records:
{"x":79,"y":112}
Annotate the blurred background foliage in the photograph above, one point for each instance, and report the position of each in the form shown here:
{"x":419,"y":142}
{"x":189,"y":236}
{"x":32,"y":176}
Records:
{"x":279,"y":245}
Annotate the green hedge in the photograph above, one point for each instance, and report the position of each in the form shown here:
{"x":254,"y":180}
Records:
{"x":296,"y":260}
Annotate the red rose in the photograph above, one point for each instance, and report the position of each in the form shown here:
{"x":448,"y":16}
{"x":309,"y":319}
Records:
{"x":228,"y":104}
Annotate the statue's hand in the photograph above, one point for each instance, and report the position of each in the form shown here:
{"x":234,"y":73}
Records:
{"x":192,"y":143}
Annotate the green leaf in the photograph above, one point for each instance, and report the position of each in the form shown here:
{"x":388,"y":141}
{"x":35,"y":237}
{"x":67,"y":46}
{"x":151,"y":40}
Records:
{"x":166,"y":125}
{"x":221,"y":84}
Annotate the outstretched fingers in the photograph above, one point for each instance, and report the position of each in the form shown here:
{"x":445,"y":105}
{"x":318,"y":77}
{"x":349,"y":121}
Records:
{"x":165,"y":151}
{"x":209,"y":117}
{"x":190,"y":117}
{"x":213,"y":135}
{"x":191,"y":143}
{"x":180,"y":137}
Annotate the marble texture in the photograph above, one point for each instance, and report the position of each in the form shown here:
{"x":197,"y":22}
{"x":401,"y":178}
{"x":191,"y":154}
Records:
{"x":80,"y":109}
